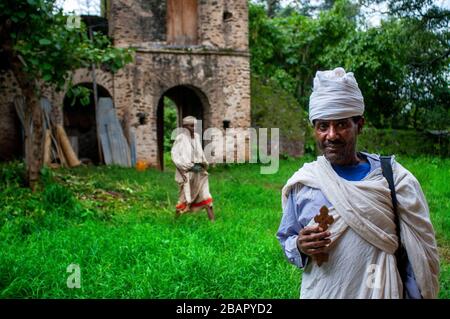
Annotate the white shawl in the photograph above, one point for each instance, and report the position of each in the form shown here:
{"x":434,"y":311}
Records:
{"x":186,"y":151}
{"x":366,"y":207}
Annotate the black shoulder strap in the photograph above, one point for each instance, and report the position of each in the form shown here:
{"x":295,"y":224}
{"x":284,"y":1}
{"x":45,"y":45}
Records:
{"x":386,"y":167}
{"x":401,"y":255}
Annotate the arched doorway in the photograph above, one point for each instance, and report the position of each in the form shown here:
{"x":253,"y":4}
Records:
{"x":188,"y":100}
{"x":81,"y":126}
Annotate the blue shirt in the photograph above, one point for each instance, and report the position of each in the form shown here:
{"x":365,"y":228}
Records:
{"x":303,"y":204}
{"x":352,"y":172}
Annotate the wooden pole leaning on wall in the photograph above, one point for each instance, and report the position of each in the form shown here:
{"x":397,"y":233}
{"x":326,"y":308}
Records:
{"x":94,"y":86}
{"x":66,"y":147}
{"x":47,"y":147}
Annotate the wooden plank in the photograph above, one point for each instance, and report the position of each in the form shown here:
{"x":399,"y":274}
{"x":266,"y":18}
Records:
{"x":46,"y":110}
{"x":189,"y":21}
{"x":66,"y":147}
{"x":182,"y":25}
{"x":102,"y":114}
{"x":47,"y":148}
{"x":19,"y":104}
{"x":133,"y":158}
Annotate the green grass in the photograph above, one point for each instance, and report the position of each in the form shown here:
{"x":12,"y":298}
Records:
{"x":118,"y":225}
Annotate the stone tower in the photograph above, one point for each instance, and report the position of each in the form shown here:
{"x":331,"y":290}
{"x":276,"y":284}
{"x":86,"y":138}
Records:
{"x":194,"y":52}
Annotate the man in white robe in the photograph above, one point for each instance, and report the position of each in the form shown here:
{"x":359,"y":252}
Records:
{"x":191,"y":175}
{"x":362,"y":240}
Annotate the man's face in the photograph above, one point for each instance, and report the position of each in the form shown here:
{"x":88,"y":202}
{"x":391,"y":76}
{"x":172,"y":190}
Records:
{"x":336,"y":139}
{"x":189,"y":127}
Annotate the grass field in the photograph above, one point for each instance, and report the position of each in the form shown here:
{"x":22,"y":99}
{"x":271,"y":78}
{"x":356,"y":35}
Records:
{"x":118,"y":225}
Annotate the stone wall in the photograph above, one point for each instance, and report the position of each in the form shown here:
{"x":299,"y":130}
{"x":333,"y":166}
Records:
{"x":10,"y":136}
{"x":222,"y":24}
{"x":221,"y":82}
{"x":217,"y":70}
{"x":81,"y":76}
{"x":135,"y":21}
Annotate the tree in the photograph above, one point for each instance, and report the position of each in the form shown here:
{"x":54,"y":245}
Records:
{"x":272,"y":6}
{"x":376,"y":61}
{"x":401,"y":65}
{"x":41,"y":49}
{"x":288,"y":49}
{"x":307,"y":7}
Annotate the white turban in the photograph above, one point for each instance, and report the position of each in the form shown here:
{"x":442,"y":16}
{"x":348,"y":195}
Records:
{"x":189,"y":120}
{"x":335,"y":95}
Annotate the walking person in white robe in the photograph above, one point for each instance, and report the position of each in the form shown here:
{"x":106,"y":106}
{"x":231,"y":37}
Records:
{"x":362,"y":240}
{"x":191,"y":175}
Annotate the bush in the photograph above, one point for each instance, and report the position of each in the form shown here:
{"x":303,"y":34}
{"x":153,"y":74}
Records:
{"x":404,"y":142}
{"x":273,"y":107}
{"x":59,"y":199}
{"x":24,"y":212}
{"x":393,"y":142}
{"x":12,"y":174}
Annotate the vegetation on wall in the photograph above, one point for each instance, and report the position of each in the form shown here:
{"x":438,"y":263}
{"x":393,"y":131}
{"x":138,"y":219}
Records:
{"x":274,"y":107}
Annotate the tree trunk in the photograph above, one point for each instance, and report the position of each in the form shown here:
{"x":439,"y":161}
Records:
{"x":272,"y":6}
{"x":34,"y":135}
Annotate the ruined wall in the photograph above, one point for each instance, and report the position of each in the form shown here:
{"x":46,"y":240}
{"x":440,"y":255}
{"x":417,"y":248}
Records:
{"x":222,"y":24}
{"x":216,"y":68}
{"x":80,"y":76}
{"x":10,"y":128}
{"x":136,"y":21}
{"x":222,"y":83}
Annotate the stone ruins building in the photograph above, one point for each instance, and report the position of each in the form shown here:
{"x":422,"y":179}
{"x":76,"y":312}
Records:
{"x":194,"y":52}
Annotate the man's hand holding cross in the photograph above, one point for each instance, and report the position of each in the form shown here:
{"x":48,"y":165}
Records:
{"x":313,"y":240}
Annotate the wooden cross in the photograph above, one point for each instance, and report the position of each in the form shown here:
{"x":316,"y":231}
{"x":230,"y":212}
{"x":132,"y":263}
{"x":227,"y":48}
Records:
{"x":323,"y":219}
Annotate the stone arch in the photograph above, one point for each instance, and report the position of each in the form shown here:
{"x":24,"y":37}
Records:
{"x":80,"y":76}
{"x":81,"y":126}
{"x":190,"y":100}
{"x":103,"y":78}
